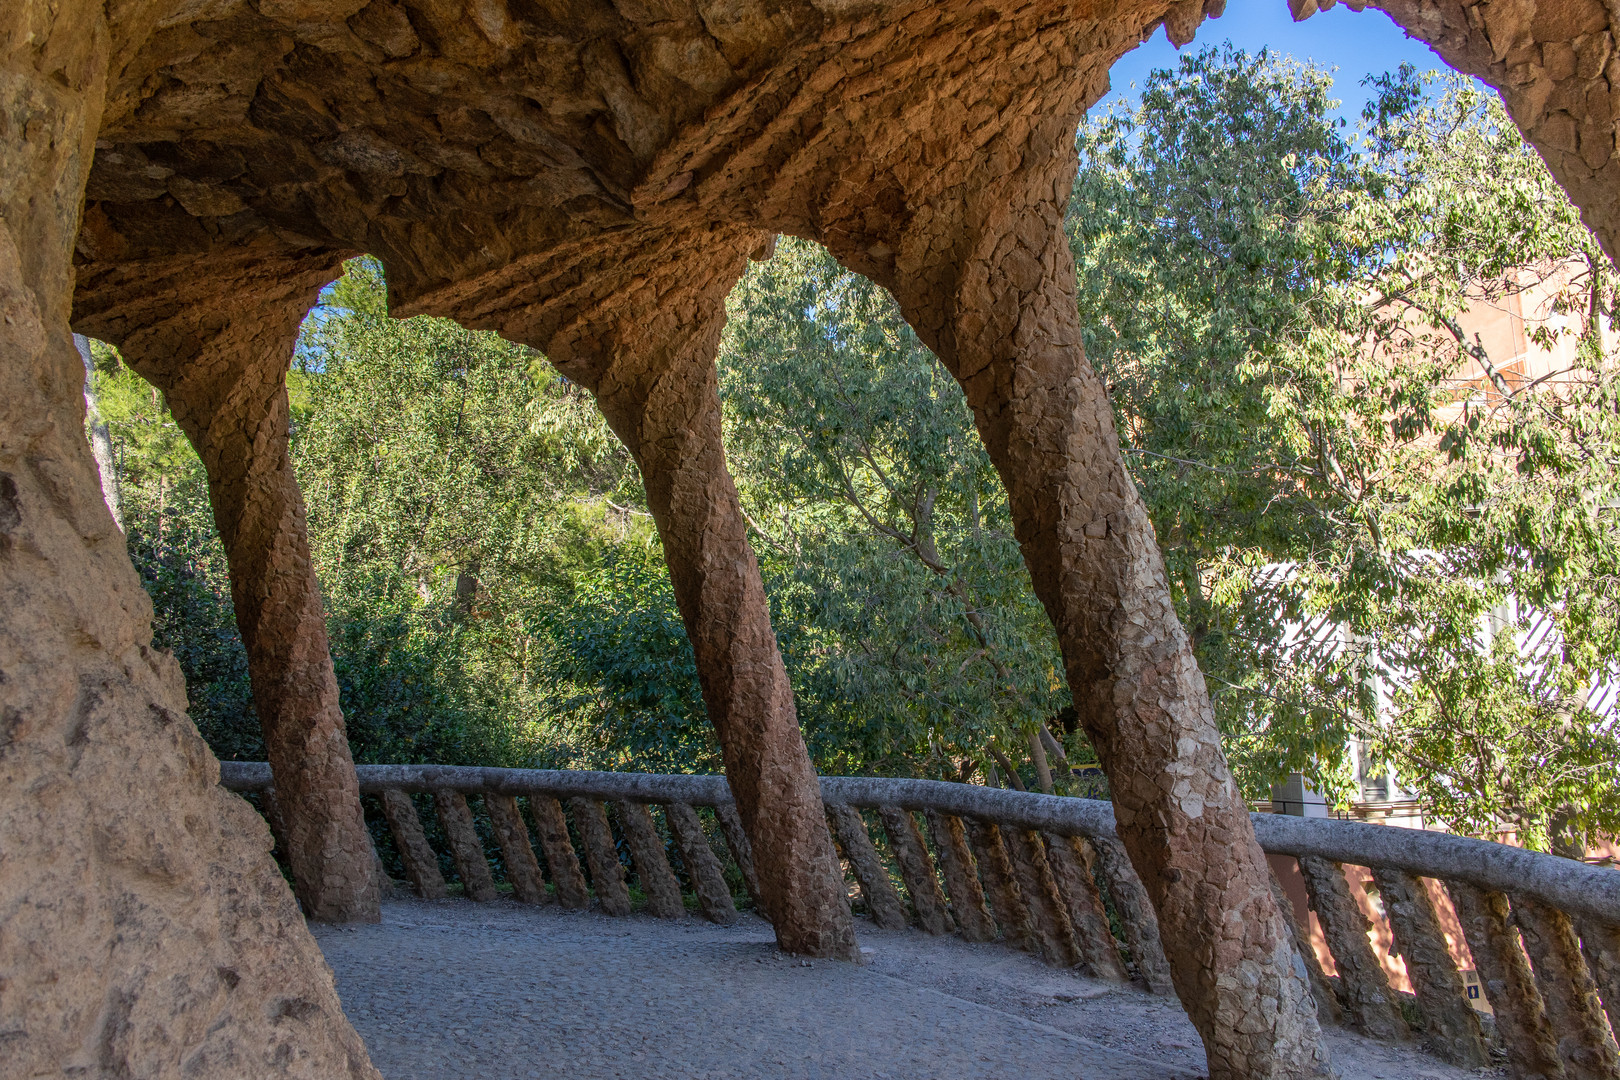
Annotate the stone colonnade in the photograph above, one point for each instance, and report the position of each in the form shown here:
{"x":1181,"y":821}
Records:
{"x":926,"y":146}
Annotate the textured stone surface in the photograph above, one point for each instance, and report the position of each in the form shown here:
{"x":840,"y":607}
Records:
{"x":1600,"y":944}
{"x":421,"y":864}
{"x":1071,"y":861}
{"x":702,"y":868}
{"x":219,"y":346}
{"x":466,"y":849}
{"x":742,"y":853}
{"x":146,"y":930}
{"x":1510,"y":987}
{"x":649,"y":860}
{"x":968,"y":909}
{"x":641,"y":332}
{"x":552,"y":828}
{"x":883,"y":904}
{"x":1368,"y":1001}
{"x":1554,"y":63}
{"x":1327,"y":998}
{"x":916,"y":870}
{"x":1136,"y":916}
{"x":588,"y":178}
{"x":607,"y":872}
{"x":1449,"y":1024}
{"x":507,"y":992}
{"x":1568,"y":992}
{"x":1049,"y":916}
{"x":1001,"y":886}
{"x":522,"y":868}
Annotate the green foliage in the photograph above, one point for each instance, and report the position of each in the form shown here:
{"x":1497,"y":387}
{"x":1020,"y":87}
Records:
{"x":176,"y":550}
{"x":625,"y":691}
{"x":909,"y":623}
{"x":1277,"y":311}
{"x":1207,"y":224}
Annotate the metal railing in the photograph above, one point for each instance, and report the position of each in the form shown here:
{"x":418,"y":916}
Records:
{"x":1045,"y":874}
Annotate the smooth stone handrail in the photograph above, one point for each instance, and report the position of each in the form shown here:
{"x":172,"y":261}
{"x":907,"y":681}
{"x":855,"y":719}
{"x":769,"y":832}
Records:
{"x":1570,"y":886}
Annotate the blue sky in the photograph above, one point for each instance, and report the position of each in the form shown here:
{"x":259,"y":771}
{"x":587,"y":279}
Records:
{"x":1356,"y":43}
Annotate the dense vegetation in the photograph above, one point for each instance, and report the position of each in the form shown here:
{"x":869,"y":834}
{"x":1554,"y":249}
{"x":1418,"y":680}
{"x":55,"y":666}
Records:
{"x":1273,"y":299}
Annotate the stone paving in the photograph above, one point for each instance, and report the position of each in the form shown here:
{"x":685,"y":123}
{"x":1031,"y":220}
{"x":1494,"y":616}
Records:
{"x":500,"y":991}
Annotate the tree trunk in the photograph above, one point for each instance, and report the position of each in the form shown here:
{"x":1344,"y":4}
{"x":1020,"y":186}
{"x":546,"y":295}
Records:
{"x":644,"y":342}
{"x":988,"y":283}
{"x":100,"y":437}
{"x":219,"y":350}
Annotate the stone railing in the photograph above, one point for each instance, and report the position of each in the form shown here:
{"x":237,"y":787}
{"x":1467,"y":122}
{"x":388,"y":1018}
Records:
{"x":1047,"y":875}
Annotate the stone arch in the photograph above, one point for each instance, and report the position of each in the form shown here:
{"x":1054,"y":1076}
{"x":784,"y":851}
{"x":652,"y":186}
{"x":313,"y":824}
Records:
{"x":527,"y":170}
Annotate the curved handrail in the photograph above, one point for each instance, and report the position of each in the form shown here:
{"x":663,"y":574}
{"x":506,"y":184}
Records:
{"x":1570,"y":886}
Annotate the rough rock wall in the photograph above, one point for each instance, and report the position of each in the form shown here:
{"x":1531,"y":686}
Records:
{"x":1555,"y":64}
{"x":219,"y":345}
{"x":146,"y":930}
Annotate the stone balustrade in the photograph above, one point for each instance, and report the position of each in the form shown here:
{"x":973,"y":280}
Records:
{"x":1046,"y":875}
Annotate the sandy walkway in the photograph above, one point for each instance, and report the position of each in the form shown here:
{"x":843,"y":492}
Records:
{"x":451,"y":989}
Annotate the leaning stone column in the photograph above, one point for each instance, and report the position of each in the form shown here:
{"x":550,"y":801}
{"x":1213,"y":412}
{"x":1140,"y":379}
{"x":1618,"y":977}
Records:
{"x":218,"y":344}
{"x":985,"y":276}
{"x":643,"y":339}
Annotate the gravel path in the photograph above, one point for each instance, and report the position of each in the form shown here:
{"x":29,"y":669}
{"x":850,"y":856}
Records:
{"x":452,"y":989}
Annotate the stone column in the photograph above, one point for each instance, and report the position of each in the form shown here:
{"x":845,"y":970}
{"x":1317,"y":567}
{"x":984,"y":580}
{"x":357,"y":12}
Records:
{"x":644,"y":341}
{"x":985,"y":276}
{"x":147,"y":930}
{"x":218,"y":339}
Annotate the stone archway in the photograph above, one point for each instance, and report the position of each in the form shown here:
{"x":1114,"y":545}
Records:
{"x":507,"y":163}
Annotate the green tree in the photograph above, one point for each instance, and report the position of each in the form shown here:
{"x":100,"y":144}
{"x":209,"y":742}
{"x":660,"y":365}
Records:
{"x":908,"y":621}
{"x":1209,"y":228}
{"x":1277,"y":310}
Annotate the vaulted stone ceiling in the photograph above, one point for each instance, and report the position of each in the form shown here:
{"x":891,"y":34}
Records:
{"x":486,"y":150}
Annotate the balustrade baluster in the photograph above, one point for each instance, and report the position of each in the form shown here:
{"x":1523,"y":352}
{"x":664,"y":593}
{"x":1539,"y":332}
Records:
{"x":602,"y":856}
{"x":742,"y":853}
{"x":1450,"y":1026}
{"x":1070,"y":859}
{"x":1328,"y":1009}
{"x":1567,"y":991}
{"x":455,"y":817}
{"x":961,"y":877}
{"x":552,"y":828}
{"x":1054,"y":934}
{"x":882,"y":901}
{"x":1508,"y":984}
{"x":1368,"y":1000}
{"x":421,"y":864}
{"x":1136,"y":917}
{"x":708,"y":880}
{"x":1001,"y":886}
{"x":522,"y":868}
{"x":916,"y":869}
{"x":650,"y":860}
{"x":1600,"y":943}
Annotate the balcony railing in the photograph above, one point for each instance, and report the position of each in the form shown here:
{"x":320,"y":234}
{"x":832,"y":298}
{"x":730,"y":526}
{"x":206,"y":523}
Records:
{"x":1048,"y":875}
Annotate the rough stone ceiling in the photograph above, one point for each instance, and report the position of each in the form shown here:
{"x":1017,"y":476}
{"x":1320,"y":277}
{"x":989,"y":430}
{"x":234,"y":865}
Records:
{"x":497,"y":152}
